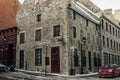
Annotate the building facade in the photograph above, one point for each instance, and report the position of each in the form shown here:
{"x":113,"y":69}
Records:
{"x":58,"y":37}
{"x":8,"y":31}
{"x":110,"y":41}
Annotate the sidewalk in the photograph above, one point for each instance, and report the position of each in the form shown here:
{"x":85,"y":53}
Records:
{"x":55,"y":74}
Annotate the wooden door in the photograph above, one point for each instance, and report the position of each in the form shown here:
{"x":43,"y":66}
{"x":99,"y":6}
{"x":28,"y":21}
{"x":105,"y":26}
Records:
{"x":21,"y":59}
{"x":55,"y":60}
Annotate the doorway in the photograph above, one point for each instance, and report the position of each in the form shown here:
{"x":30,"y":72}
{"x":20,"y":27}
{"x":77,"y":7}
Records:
{"x":10,"y":55}
{"x":89,"y":58}
{"x":55,"y":60}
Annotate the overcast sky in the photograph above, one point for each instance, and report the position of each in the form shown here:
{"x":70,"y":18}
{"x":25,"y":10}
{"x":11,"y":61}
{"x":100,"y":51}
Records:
{"x":103,"y":4}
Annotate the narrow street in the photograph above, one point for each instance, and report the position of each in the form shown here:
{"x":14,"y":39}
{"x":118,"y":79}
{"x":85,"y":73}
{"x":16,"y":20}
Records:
{"x":23,"y":76}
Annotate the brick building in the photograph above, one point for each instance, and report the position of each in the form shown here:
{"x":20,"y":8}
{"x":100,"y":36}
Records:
{"x":8,"y":31}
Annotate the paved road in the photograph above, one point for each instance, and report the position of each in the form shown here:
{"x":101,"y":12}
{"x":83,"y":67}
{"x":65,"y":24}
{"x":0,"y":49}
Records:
{"x":23,"y":76}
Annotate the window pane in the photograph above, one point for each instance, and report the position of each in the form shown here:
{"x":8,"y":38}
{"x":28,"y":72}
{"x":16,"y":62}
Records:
{"x":56,"y":31}
{"x":38,"y":35}
{"x":38,"y":57}
{"x":22,"y":37}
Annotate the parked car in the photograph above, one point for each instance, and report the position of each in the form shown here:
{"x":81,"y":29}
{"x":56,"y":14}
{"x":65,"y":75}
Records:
{"x":2,"y":68}
{"x":109,"y":70}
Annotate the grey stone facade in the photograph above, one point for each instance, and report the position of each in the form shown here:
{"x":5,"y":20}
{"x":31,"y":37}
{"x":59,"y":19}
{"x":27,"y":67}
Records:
{"x":68,"y":14}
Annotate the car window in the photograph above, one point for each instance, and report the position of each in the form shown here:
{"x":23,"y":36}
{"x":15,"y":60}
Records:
{"x":107,"y":66}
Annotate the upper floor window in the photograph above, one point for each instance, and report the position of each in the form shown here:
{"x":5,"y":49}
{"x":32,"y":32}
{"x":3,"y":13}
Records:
{"x":110,"y":28}
{"x":38,"y":17}
{"x":116,"y":32}
{"x":113,"y":30}
{"x":22,"y":38}
{"x":38,"y":35}
{"x":103,"y":41}
{"x":74,"y":15}
{"x":111,"y":44}
{"x":87,"y":22}
{"x":74,"y":32}
{"x":106,"y":26}
{"x":56,"y":31}
{"x":38,"y":57}
{"x":107,"y":42}
{"x":102,"y":24}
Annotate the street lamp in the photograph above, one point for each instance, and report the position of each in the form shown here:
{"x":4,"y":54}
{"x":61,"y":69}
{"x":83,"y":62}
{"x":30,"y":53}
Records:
{"x":72,"y":53}
{"x":84,"y":42}
{"x":46,"y":48}
{"x":4,"y":39}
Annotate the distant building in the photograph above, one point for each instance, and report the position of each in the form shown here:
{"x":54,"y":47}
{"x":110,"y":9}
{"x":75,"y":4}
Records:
{"x":110,"y":41}
{"x":8,"y":31}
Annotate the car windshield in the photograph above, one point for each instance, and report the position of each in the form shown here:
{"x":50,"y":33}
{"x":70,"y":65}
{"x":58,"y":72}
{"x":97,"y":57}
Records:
{"x":107,"y":66}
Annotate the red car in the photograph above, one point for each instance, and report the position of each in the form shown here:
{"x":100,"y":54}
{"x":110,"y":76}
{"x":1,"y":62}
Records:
{"x":109,"y":70}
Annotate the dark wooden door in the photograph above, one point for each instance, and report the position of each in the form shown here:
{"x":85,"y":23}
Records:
{"x":21,"y":59}
{"x":55,"y":60}
{"x":89,"y":56}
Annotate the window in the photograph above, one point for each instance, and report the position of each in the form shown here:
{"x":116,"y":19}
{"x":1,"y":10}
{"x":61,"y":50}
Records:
{"x":22,"y":38}
{"x":75,"y":58}
{"x":56,"y":31}
{"x":107,"y":42}
{"x":116,"y":32}
{"x":102,"y":24}
{"x":117,"y":46}
{"x":114,"y":44}
{"x":38,"y":35}
{"x":97,"y":27}
{"x":106,"y":26}
{"x":86,"y":22}
{"x":110,"y":28}
{"x":74,"y":15}
{"x":38,"y":57}
{"x":74,"y":32}
{"x":95,"y":60}
{"x":113,"y":30}
{"x":111,"y":44}
{"x":103,"y":41}
{"x":38,"y":17}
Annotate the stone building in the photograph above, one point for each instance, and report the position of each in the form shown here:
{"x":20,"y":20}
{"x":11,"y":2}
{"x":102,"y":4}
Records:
{"x":58,"y":36}
{"x":110,"y":41}
{"x":8,"y":31}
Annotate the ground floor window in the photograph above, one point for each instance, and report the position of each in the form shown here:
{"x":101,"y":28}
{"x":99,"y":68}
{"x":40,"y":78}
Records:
{"x":38,"y":56}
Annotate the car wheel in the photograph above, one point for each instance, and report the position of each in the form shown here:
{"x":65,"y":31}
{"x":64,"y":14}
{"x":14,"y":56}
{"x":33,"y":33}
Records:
{"x":113,"y":75}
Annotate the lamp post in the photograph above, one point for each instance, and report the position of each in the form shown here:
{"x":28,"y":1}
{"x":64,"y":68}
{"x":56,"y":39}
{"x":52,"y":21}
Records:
{"x":71,"y":52}
{"x":4,"y":39}
{"x":46,"y":48}
{"x":84,"y":42}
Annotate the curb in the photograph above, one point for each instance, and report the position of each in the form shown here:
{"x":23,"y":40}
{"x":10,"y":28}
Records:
{"x":54,"y":74}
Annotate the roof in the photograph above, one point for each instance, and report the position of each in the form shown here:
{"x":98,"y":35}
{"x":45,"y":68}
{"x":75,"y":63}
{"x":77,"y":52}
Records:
{"x":82,"y":12}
